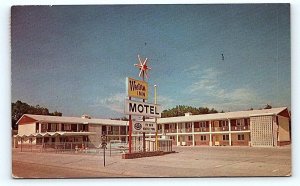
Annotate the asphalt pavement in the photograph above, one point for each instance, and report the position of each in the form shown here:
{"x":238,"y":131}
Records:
{"x":186,"y":162}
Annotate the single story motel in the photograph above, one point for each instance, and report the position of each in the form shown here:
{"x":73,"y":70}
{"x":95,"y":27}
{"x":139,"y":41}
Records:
{"x":257,"y":128}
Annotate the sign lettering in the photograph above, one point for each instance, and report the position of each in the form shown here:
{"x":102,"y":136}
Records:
{"x":142,"y":109}
{"x":136,"y":88}
{"x":143,"y":126}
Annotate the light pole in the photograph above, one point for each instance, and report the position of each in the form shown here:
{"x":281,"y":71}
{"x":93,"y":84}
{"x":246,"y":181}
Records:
{"x":103,"y":145}
{"x":156,"y":132}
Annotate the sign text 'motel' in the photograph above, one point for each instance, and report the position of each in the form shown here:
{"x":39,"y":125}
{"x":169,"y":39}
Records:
{"x":136,"y":88}
{"x":142,"y":109}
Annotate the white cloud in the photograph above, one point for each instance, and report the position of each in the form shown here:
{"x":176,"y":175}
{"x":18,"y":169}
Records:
{"x":164,"y":101}
{"x":209,"y":85}
{"x":114,"y":102}
{"x":207,"y":81}
{"x":192,"y":68}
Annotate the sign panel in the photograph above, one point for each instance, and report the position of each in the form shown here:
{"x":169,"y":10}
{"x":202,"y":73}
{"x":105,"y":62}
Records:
{"x":143,"y":126}
{"x":136,"y":88}
{"x":142,"y":109}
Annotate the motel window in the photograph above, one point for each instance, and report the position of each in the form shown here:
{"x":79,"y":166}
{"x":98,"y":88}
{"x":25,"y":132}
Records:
{"x":86,"y":128}
{"x":240,"y":122}
{"x":49,"y":126}
{"x":190,"y":138}
{"x":189,"y":125}
{"x":224,"y":123}
{"x":241,"y":137}
{"x":202,"y":124}
{"x":67,"y":126}
{"x":216,"y":123}
{"x":53,"y":127}
{"x":37,"y":126}
{"x":39,"y":141}
{"x":108,"y":128}
{"x":74,"y":127}
{"x":44,"y":127}
{"x":46,"y":140}
{"x":225,"y":137}
{"x":172,"y":126}
{"x":158,"y":127}
{"x":166,"y":126}
{"x":247,"y":121}
{"x":203,"y":138}
{"x":115,"y":128}
{"x":80,"y":127}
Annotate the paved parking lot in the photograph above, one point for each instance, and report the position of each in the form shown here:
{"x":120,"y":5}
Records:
{"x":186,"y":162}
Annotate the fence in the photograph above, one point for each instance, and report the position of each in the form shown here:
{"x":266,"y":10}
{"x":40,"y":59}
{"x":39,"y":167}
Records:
{"x":89,"y":148}
{"x":86,"y":148}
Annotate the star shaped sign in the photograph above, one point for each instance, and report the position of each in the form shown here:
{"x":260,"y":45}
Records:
{"x":143,"y":67}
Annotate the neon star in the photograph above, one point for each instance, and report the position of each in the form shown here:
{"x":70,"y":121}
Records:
{"x":143,"y":67}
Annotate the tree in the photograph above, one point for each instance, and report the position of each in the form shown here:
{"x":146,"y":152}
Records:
{"x":122,"y":118}
{"x":180,"y":110}
{"x":19,"y":108}
{"x":268,"y":106}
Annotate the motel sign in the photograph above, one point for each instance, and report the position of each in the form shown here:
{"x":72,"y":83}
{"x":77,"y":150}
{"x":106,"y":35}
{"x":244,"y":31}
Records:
{"x":142,"y":109}
{"x":143,"y":126}
{"x":136,"y":88}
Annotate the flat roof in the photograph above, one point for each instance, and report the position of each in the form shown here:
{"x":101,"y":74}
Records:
{"x":221,"y":116}
{"x":190,"y":118}
{"x":74,"y":120}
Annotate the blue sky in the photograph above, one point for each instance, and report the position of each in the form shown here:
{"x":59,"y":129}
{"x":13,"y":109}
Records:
{"x":75,"y":59}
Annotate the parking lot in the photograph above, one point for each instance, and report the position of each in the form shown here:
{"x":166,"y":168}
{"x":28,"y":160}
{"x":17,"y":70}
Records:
{"x":186,"y":162}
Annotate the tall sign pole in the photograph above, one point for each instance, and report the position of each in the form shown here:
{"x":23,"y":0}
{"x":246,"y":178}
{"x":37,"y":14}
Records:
{"x":130,"y":131}
{"x":139,"y":89}
{"x":144,"y":134}
{"x":143,"y":72}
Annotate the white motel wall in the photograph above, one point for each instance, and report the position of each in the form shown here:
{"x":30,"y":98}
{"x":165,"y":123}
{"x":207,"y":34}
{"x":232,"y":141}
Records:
{"x":268,"y":127}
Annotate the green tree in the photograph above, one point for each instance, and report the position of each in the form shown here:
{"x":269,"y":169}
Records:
{"x":180,"y":110}
{"x":124,"y":118}
{"x":268,"y":106}
{"x":19,"y":108}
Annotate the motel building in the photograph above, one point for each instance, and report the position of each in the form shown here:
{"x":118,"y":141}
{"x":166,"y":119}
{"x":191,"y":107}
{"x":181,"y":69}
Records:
{"x":257,"y":128}
{"x":265,"y":128}
{"x":72,"y":132}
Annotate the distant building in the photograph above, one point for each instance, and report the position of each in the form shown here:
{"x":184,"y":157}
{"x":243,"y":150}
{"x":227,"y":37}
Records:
{"x":268,"y":127}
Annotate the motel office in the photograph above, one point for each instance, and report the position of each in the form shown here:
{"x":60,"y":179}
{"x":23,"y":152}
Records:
{"x":268,"y":127}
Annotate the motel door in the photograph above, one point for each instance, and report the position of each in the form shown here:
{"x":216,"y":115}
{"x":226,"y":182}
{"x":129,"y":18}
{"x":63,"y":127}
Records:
{"x":217,"y":142}
{"x":182,"y":140}
{"x":262,"y":131}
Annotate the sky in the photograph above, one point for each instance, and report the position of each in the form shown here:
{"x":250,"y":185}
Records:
{"x":75,"y":59}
